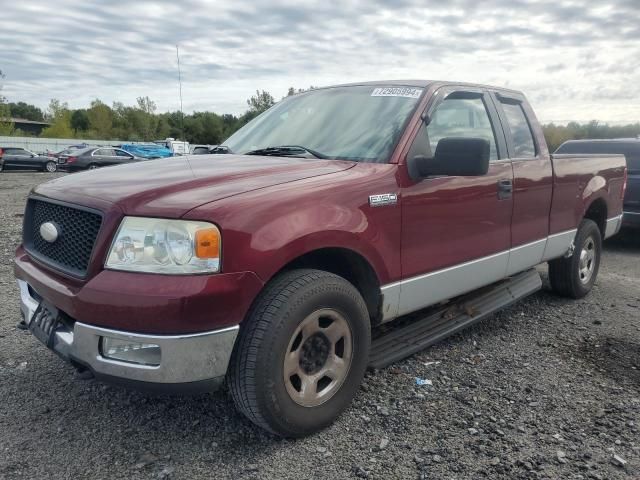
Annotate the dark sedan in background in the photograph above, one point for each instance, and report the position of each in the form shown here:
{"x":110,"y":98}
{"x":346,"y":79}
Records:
{"x":630,"y":148}
{"x":14,"y":158}
{"x":94,"y":157}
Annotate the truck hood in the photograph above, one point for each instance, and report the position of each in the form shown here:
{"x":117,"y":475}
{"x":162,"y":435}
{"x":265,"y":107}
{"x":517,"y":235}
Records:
{"x":173,"y":186}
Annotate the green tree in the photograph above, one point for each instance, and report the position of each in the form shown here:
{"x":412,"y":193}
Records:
{"x":292,"y":91}
{"x":26,"y":111}
{"x":146,"y":120}
{"x":80,"y":120}
{"x":59,"y":116}
{"x":557,"y":134}
{"x":260,"y":102}
{"x":100,"y":119}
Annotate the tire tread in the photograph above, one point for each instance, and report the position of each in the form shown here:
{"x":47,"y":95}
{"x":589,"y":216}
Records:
{"x":562,"y":271}
{"x":242,"y":371}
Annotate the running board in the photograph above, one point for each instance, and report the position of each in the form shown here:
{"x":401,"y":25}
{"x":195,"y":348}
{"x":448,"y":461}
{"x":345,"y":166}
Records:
{"x":417,"y":331}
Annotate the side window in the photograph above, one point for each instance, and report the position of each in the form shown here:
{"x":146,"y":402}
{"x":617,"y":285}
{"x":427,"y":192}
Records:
{"x":104,"y":152}
{"x":520,"y":132}
{"x":122,"y":153}
{"x":461,"y":117}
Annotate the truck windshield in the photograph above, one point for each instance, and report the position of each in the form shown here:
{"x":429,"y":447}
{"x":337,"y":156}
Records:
{"x":360,"y":123}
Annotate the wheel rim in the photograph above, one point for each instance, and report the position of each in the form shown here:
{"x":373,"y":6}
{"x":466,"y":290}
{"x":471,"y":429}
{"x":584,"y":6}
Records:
{"x":587,"y":260}
{"x":318,"y":358}
{"x":51,"y":167}
{"x":92,"y":167}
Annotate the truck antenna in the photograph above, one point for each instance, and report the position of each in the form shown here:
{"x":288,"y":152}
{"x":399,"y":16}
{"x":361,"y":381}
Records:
{"x":180,"y":84}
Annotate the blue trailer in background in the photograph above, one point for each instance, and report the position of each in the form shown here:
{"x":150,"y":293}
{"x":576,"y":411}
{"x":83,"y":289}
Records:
{"x":147,"y":150}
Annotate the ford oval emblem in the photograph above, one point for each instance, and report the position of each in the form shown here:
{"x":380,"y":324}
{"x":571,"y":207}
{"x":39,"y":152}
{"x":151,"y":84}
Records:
{"x":49,"y":232}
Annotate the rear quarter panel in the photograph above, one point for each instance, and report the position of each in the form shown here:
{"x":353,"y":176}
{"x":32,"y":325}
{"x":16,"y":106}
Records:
{"x":579,"y":180}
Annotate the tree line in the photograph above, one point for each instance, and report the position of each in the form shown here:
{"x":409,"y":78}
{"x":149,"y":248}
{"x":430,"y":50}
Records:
{"x":558,"y":134}
{"x":141,"y":122}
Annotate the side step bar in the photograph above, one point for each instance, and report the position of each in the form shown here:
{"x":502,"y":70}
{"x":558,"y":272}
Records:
{"x":417,"y":331}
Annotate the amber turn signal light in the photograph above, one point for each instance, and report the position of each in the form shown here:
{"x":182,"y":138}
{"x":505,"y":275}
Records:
{"x":207,"y":243}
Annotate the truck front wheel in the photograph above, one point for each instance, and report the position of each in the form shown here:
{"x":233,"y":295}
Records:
{"x":573,"y":276}
{"x":301,"y":353}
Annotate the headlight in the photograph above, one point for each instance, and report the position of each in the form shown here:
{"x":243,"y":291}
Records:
{"x":165,"y":246}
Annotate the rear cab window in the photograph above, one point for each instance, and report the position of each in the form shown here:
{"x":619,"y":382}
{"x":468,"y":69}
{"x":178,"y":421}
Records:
{"x":522,"y":143}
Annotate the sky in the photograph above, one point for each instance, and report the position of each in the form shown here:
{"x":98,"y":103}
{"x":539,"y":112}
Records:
{"x":574,"y":60}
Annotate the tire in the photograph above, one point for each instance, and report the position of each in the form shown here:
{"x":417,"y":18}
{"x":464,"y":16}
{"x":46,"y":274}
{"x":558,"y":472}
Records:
{"x":50,"y":167}
{"x":287,"y":329}
{"x":574,"y":276}
{"x":92,"y":166}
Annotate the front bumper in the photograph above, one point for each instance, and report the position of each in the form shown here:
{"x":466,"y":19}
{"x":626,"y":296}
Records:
{"x":145,"y":303}
{"x":190,"y":362}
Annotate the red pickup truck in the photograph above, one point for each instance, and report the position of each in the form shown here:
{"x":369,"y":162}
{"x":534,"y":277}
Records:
{"x":279,"y":265}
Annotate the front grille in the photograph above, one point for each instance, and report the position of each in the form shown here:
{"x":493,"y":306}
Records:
{"x":77,"y":232}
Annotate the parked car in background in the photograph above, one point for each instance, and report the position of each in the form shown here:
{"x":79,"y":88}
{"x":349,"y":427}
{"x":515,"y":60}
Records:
{"x":177,"y":147}
{"x":95,"y":157}
{"x":630,"y":148}
{"x":14,"y":158}
{"x":201,"y":149}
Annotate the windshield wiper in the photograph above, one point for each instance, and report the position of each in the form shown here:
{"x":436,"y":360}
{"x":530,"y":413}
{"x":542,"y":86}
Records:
{"x":286,"y":151}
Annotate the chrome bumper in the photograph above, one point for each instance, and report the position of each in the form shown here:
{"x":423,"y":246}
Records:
{"x":184,"y":359}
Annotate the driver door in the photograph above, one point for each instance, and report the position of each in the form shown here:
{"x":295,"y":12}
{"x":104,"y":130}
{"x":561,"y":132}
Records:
{"x":17,"y":158}
{"x":456,"y":231}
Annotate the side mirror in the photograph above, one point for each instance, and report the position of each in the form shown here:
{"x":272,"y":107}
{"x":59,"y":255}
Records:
{"x":454,"y":156}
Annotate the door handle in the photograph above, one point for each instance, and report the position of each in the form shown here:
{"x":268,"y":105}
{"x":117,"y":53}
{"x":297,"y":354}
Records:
{"x":505,"y":189}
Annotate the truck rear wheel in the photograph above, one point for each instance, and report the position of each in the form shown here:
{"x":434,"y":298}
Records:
{"x":301,"y":353}
{"x":575,"y":275}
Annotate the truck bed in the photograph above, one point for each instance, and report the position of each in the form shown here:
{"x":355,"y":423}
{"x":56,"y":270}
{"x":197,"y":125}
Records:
{"x":590,"y":178}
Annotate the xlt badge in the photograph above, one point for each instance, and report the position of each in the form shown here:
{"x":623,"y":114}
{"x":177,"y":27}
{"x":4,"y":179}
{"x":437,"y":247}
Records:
{"x":383,"y":199}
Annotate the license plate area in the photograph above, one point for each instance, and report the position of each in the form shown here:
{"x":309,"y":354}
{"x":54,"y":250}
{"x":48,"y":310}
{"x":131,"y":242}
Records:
{"x":44,"y":323}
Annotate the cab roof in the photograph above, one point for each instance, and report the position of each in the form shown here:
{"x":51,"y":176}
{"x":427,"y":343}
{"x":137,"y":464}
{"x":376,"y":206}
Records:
{"x":426,"y":84}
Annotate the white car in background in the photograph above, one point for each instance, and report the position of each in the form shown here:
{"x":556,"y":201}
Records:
{"x":177,"y":147}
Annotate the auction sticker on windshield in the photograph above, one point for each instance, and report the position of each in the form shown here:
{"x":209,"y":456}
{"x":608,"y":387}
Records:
{"x":408,"y":92}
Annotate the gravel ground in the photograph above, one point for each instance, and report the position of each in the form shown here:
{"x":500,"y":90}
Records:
{"x":549,"y":388}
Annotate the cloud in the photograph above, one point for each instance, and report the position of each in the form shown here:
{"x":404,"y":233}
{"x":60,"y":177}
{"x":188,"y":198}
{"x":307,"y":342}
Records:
{"x":574,"y":62}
